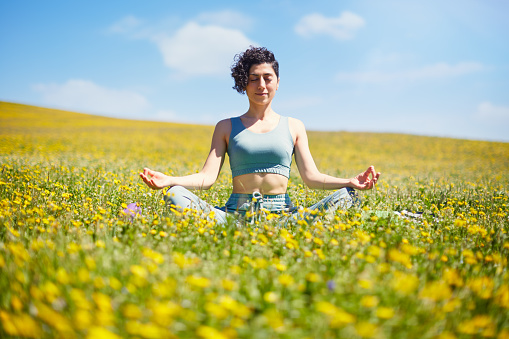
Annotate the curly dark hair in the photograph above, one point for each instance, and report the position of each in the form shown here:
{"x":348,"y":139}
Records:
{"x":243,"y":62}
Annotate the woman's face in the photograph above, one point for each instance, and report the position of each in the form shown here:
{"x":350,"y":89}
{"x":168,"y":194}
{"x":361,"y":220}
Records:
{"x":262,"y":84}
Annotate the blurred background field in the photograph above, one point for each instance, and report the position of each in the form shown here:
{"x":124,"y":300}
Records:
{"x":52,"y":135}
{"x":74,"y":265}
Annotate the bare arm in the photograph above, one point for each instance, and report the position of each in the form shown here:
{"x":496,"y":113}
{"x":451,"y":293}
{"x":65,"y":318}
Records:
{"x":312,"y":177}
{"x":210,"y":171}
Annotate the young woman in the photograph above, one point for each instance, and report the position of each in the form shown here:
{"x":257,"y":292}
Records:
{"x":260,"y":144}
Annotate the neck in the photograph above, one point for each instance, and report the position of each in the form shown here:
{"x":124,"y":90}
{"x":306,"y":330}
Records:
{"x":260,"y":111}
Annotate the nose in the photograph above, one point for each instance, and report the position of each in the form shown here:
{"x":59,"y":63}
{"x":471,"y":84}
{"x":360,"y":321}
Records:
{"x":261,"y":84}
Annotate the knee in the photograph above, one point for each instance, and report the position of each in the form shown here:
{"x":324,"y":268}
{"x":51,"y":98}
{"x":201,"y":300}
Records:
{"x":350,"y":191}
{"x":175,"y":190}
{"x":174,"y":195}
{"x":352,"y":196}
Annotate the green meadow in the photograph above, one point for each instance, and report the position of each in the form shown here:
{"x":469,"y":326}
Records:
{"x":73,"y":264}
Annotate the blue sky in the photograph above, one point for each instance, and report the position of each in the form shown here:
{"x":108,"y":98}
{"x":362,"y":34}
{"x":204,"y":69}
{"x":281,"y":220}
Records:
{"x":438,"y":68}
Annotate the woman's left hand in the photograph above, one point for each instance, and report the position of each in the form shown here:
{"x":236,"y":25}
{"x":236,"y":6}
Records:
{"x":154,"y":180}
{"x":365,"y":180}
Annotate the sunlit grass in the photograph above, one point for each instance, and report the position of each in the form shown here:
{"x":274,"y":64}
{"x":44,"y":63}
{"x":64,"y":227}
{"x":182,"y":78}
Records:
{"x":72,"y":264}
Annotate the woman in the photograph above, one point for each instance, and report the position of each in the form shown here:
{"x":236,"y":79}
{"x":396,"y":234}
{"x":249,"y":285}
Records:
{"x":260,"y":144}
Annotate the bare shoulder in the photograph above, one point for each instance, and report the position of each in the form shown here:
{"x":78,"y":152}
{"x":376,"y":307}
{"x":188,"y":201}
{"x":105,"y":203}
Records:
{"x":296,"y":123}
{"x":297,"y":128}
{"x":223,"y":130}
{"x":224,"y":123}
{"x":224,"y":126}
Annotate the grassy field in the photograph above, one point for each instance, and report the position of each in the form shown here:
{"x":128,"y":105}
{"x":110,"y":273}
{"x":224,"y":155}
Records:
{"x":74,"y":265}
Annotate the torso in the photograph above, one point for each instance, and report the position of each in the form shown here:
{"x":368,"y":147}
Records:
{"x":265,"y":183}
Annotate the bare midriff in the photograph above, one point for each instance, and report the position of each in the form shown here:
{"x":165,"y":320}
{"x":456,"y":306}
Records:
{"x":265,"y":183}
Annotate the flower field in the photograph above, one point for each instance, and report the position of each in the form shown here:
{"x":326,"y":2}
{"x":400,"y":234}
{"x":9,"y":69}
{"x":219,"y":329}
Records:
{"x":74,"y":264}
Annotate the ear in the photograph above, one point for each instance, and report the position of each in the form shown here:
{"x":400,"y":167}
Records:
{"x":277,"y":86}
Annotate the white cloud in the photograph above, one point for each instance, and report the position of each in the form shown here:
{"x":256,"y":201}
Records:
{"x":167,"y":116}
{"x":125,"y":25}
{"x":488,"y":111}
{"x":226,"y":18}
{"x":172,"y":116}
{"x":86,"y":96}
{"x":342,"y":27}
{"x":436,"y":71}
{"x":204,"y":46}
{"x":202,"y":50}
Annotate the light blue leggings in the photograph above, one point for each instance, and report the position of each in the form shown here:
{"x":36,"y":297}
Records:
{"x":182,"y":198}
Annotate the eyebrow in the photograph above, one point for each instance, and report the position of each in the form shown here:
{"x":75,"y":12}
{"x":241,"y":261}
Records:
{"x":257,"y":75}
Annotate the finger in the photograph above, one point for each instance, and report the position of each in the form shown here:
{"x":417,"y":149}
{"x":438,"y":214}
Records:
{"x":146,"y":180}
{"x":364,"y":175}
{"x":377,"y":176}
{"x":371,"y":170}
{"x":370,"y":184}
{"x":150,"y":183}
{"x":148,"y":171}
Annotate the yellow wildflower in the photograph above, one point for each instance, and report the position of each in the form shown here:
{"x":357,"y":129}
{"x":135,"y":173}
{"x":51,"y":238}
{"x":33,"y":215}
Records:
{"x":163,"y":313}
{"x":362,"y":236}
{"x":229,"y":285}
{"x":478,"y":324}
{"x":99,"y":283}
{"x":436,"y":291}
{"x":369,"y":301}
{"x":90,"y":262}
{"x":312,"y":277}
{"x":82,"y":319}
{"x":374,"y":251}
{"x":453,"y":278}
{"x":446,"y":335}
{"x":502,"y":296}
{"x":404,"y":283}
{"x":102,"y":301}
{"x":337,"y":316}
{"x":21,"y":325}
{"x":115,"y":283}
{"x":270,"y":297}
{"x":402,"y":258}
{"x":286,"y":280}
{"x":451,"y":305}
{"x":216,"y":310}
{"x":54,"y":319}
{"x":207,"y":332}
{"x":281,"y":267}
{"x":365,"y":329}
{"x":274,"y":319}
{"x":482,"y":286}
{"x":101,"y":333}
{"x":132,"y":311}
{"x":198,"y":281}
{"x":365,"y":284}
{"x":385,"y":312}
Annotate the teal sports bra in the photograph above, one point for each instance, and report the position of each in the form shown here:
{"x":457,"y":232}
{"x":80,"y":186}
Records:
{"x":269,"y":152}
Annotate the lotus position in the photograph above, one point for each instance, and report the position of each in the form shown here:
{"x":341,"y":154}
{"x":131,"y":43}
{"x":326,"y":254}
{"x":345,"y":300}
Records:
{"x":260,"y":145}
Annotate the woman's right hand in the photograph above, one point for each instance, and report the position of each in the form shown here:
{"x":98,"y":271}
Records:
{"x":363,"y":181}
{"x":155,"y":180}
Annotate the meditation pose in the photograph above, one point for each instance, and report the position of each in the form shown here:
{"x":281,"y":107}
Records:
{"x":260,"y":145}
